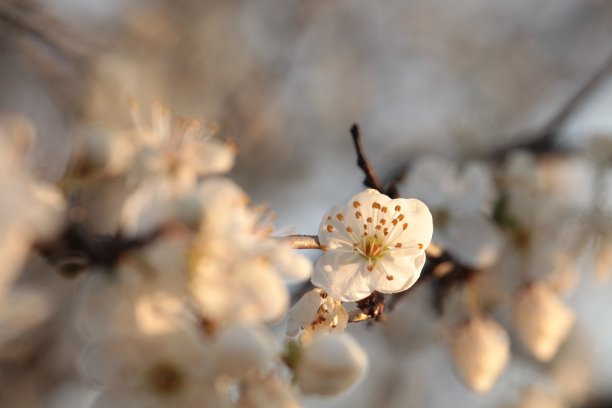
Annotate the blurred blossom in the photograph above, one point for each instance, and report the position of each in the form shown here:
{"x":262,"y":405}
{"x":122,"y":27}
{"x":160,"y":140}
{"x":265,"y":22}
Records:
{"x":30,"y":211}
{"x":460,"y":201}
{"x":330,"y":364}
{"x":372,"y":243}
{"x":480,"y":349}
{"x":183,"y":149}
{"x":541,"y":320}
{"x":241,"y":350}
{"x":267,"y":392}
{"x":153,"y":371}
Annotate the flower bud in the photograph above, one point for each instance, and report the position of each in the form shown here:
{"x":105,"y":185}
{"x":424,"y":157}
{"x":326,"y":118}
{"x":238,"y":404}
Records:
{"x":541,"y":320}
{"x":330,"y":365}
{"x":480,"y":348}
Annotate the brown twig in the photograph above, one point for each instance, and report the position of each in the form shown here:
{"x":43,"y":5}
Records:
{"x":303,"y":241}
{"x":371,"y":180}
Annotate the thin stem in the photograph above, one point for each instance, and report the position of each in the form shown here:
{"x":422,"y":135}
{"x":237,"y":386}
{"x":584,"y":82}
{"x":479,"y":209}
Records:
{"x":303,"y":241}
{"x":371,"y":179}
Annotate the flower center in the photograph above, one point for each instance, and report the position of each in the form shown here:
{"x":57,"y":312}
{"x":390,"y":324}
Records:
{"x":373,"y":247}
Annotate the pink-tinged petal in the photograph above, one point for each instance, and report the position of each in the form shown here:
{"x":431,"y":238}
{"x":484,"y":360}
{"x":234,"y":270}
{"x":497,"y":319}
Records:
{"x":342,"y":275}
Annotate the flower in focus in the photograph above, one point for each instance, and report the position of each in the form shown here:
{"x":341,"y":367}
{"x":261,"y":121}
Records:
{"x":373,"y":243}
{"x":480,"y":348}
{"x":315,"y":312}
{"x":330,"y":365}
{"x":459,"y":202}
{"x":542,"y":321}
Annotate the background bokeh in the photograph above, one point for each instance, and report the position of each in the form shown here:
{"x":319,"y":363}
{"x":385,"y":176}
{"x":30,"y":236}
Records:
{"x":285,"y":79}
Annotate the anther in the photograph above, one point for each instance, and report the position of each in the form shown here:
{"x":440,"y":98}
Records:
{"x":339,"y":216}
{"x":375,"y":205}
{"x":356,"y":204}
{"x":389,"y":277}
{"x":398,"y":208}
{"x":330,"y":228}
{"x":405,"y":225}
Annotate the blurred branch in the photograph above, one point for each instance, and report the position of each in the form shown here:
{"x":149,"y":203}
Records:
{"x":75,"y":249}
{"x":545,"y":139}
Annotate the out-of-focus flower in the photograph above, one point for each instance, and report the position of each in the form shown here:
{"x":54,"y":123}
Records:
{"x":541,"y":320}
{"x":180,"y":148}
{"x":99,"y":155}
{"x":373,"y":243}
{"x":169,"y":369}
{"x":240,"y":350}
{"x":315,"y":312}
{"x":542,"y":234}
{"x":267,"y":392}
{"x":480,"y":349}
{"x":30,"y":211}
{"x":459,"y":202}
{"x":538,"y":398}
{"x":330,"y":365}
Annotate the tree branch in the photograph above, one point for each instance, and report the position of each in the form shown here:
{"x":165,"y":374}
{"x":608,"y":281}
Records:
{"x":303,"y":241}
{"x":371,"y":179}
{"x":545,"y":139}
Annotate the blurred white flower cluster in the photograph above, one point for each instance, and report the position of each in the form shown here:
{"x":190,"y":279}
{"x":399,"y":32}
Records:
{"x":183,"y":278}
{"x":509,"y":240}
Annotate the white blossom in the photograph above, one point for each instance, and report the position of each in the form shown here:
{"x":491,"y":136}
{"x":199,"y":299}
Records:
{"x":267,"y":392}
{"x":239,"y":350}
{"x":480,"y":349}
{"x":330,"y":365}
{"x":459,"y":202}
{"x":316,"y":312}
{"x":372,"y":243}
{"x":30,"y":211}
{"x":169,"y":369}
{"x":183,"y":149}
{"x":541,"y":320}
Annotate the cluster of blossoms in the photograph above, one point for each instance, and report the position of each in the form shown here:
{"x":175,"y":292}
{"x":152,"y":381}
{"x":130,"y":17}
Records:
{"x":183,"y":320}
{"x":183,"y":277}
{"x":517,"y":239}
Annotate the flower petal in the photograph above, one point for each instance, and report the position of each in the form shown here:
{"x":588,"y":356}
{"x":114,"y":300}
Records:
{"x":342,"y":275}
